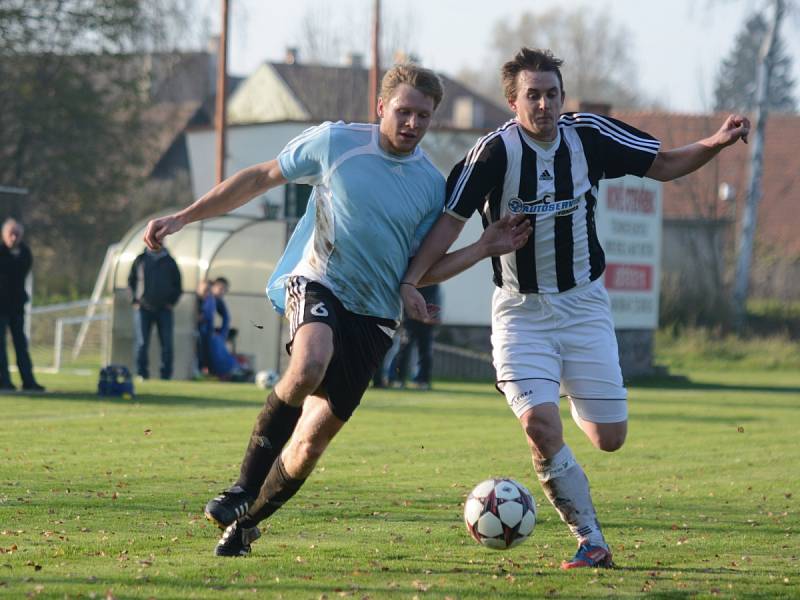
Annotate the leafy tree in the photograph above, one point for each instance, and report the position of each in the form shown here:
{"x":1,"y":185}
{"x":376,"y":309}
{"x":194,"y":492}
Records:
{"x":75,"y":84}
{"x":735,"y":88}
{"x":596,"y":54}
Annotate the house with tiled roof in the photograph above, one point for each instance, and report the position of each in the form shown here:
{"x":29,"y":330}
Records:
{"x":316,"y":93}
{"x":708,"y":204}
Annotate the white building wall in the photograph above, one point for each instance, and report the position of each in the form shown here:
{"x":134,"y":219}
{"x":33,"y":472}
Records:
{"x":264,"y":97}
{"x":247,"y":145}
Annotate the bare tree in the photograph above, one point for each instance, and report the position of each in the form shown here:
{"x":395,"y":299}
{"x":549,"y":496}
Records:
{"x":749,"y":217}
{"x":595,"y":50}
{"x":328,"y":33}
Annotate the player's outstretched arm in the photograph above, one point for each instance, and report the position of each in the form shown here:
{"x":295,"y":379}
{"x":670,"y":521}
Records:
{"x":232,"y":193}
{"x":441,"y":236}
{"x":501,"y":237}
{"x":671,"y":164}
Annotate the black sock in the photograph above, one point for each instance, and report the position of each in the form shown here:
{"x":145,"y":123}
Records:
{"x":274,"y":426}
{"x":278,"y":488}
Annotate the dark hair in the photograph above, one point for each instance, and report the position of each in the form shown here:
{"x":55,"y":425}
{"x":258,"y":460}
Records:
{"x":529,"y":59}
{"x":221,"y":280}
{"x":421,"y":79}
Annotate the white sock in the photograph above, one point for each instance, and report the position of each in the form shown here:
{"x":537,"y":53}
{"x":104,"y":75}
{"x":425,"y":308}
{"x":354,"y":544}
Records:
{"x":566,"y":486}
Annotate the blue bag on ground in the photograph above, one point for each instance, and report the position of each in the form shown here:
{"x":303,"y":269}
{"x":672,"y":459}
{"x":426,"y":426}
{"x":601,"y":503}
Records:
{"x":115,"y":380}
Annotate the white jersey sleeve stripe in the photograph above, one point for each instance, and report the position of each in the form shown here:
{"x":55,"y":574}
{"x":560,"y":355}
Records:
{"x":469,"y":163}
{"x":308,"y":133}
{"x":607,"y":126}
{"x":617,"y":138}
{"x":610,"y":130}
{"x":319,"y":129}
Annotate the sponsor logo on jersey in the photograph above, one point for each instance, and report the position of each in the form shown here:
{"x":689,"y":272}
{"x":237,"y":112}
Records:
{"x":545,"y":176}
{"x":545,"y":205}
{"x":319,"y":310}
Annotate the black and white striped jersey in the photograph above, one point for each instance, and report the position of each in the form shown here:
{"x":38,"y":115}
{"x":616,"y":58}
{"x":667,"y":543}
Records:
{"x":508,"y":172}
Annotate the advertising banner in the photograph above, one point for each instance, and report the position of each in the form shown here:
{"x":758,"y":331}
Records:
{"x":629,"y":227}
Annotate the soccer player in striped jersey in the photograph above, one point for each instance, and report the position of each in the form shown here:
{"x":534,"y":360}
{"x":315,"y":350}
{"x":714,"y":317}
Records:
{"x":376,"y":195}
{"x":551,"y":319}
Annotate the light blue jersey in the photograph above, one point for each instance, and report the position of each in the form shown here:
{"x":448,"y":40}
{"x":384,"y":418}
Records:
{"x":367,"y":216}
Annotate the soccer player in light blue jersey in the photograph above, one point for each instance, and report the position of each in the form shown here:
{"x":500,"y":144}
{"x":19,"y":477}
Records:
{"x":376,"y":195}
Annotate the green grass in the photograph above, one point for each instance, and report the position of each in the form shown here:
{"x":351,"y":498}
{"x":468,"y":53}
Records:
{"x":679,"y":348}
{"x":104,"y":498}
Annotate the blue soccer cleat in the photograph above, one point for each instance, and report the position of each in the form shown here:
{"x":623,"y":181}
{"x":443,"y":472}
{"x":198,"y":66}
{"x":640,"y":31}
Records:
{"x":589,"y":556}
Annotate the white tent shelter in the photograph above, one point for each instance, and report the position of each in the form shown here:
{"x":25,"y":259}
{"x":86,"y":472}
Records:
{"x":240,"y":247}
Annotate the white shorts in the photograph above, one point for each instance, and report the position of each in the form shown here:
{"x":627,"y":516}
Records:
{"x":543,"y":343}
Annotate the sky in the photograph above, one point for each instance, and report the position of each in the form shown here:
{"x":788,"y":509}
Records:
{"x":676,"y":45}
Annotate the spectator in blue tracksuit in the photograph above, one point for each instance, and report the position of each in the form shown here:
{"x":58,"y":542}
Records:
{"x":219,"y":287}
{"x":155,"y":285}
{"x":214,"y":356}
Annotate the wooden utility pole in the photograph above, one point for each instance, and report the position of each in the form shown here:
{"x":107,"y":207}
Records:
{"x":376,"y":62}
{"x":766,"y":61}
{"x":220,"y":118}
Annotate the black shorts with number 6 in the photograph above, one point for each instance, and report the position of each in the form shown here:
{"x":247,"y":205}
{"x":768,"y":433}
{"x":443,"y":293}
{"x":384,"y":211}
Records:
{"x":359,"y":342}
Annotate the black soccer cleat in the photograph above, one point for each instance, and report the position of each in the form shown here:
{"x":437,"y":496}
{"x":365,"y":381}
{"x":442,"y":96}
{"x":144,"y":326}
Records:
{"x":230,"y":505}
{"x":236,"y":540}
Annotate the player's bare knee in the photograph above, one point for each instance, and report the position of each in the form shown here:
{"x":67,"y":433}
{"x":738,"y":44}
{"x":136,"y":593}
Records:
{"x":543,"y":438}
{"x":610,"y":444}
{"x":610,"y":441}
{"x":305,"y":377}
{"x":308,"y":451}
{"x":311,"y":372}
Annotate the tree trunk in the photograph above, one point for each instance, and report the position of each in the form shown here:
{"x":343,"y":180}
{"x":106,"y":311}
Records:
{"x":750,"y":213}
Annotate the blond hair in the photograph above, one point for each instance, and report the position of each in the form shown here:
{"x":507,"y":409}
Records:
{"x":421,"y":79}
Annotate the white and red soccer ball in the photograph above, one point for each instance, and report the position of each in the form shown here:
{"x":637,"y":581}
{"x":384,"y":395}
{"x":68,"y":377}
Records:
{"x":500,"y":513}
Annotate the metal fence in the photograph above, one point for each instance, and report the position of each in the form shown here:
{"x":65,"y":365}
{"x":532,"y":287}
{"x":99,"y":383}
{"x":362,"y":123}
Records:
{"x":71,"y":336}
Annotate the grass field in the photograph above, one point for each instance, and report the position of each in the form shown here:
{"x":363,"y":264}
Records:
{"x":103,"y":499}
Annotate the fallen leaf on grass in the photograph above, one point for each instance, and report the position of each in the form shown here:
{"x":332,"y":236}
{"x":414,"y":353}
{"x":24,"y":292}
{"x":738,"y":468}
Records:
{"x":420,"y":586}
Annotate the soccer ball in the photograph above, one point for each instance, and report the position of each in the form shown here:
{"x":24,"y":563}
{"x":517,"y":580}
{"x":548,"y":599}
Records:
{"x":266,"y":379}
{"x":500,"y":513}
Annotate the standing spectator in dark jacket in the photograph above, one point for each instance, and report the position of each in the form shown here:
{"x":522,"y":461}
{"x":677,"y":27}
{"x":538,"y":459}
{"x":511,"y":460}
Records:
{"x":155,"y":284}
{"x":15,"y":264}
{"x":419,"y":334}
